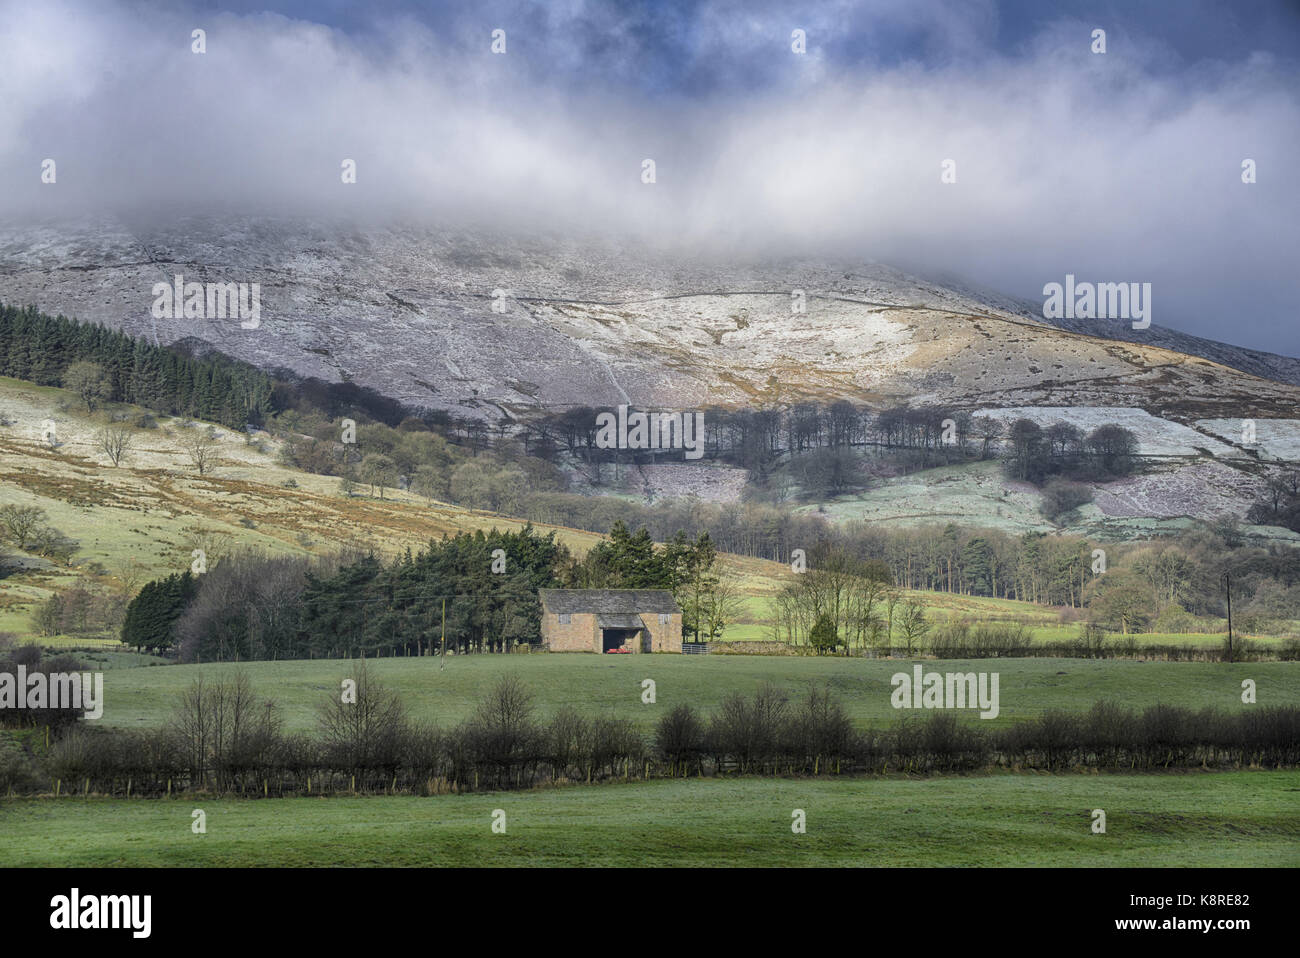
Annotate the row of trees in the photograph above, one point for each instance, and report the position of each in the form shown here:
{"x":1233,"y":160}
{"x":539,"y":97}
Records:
{"x":1280,"y":503}
{"x":1062,"y":449}
{"x":756,"y":439}
{"x":121,"y":368}
{"x":254,"y":606}
{"x":1143,"y":581}
{"x":481,"y":587}
{"x":847,"y":597}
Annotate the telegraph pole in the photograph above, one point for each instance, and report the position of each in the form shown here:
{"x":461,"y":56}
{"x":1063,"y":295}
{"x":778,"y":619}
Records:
{"x":442,"y":660}
{"x":1227,"y":586}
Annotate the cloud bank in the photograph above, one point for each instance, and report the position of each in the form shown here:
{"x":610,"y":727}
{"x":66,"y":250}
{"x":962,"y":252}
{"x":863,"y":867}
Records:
{"x":1123,"y":166}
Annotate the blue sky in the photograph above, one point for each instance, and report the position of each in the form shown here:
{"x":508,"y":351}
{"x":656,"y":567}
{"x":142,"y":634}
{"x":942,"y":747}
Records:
{"x":1118,"y":167}
{"x":660,"y":46}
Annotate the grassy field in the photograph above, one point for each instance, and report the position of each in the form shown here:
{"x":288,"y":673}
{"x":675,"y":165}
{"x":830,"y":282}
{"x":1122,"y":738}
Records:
{"x":611,"y":684}
{"x":1042,"y":622}
{"x":1232,"y":819}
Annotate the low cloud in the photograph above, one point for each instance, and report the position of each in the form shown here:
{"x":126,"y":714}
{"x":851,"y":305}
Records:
{"x":1119,"y":167}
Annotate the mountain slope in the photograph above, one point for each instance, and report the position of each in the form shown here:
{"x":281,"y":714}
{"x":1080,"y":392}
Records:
{"x":1256,"y":362}
{"x":410,"y":312}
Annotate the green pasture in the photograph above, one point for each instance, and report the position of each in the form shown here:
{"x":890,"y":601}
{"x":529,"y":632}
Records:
{"x":1230,"y":819}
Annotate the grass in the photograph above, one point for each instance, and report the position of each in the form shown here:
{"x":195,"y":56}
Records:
{"x":1064,"y":633}
{"x":970,"y":492}
{"x":611,"y":684}
{"x":1232,"y":819}
{"x":1042,"y":622}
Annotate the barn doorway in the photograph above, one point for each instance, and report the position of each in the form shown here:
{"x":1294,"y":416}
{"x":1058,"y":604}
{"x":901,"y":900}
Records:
{"x":612,"y":639}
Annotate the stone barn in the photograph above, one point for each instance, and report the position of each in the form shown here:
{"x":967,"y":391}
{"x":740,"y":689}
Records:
{"x":610,"y":620}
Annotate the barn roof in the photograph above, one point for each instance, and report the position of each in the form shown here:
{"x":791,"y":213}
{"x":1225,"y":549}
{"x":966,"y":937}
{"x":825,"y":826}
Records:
{"x":608,"y":601}
{"x":620,"y":622}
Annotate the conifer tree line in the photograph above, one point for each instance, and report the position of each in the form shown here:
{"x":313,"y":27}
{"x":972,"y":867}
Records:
{"x":41,"y":349}
{"x":251,"y":606}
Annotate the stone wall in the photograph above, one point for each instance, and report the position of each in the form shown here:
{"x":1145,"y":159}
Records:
{"x":666,"y":637}
{"x":579,"y":635}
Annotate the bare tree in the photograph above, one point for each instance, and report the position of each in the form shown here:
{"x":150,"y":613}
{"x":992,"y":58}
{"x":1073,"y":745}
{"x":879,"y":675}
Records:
{"x":115,"y":441}
{"x":913,"y":624}
{"x":216,"y":723}
{"x":723,"y":605}
{"x":362,"y":724}
{"x":379,"y":471}
{"x":429,"y":481}
{"x":201,"y":447}
{"x":20,"y":522}
{"x":131,"y":574}
{"x":989,"y":431}
{"x":213,"y":543}
{"x":53,"y":544}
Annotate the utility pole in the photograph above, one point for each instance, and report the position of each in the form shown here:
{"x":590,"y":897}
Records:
{"x":442,"y":661}
{"x":1227,"y":584}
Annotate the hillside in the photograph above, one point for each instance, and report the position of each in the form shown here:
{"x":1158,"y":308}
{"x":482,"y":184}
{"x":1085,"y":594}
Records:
{"x":493,"y":324}
{"x":143,"y":518}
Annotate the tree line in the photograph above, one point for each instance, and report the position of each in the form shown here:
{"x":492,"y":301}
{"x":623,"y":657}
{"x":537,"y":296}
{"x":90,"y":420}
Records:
{"x":1171,"y":581}
{"x":222,"y":737}
{"x":756,"y":439}
{"x":479,"y":589}
{"x":116,"y":367}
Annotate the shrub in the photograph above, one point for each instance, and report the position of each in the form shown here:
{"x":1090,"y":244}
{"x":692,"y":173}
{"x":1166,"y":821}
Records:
{"x":679,"y":739}
{"x":823,"y":636}
{"x":945,"y":742}
{"x":1061,"y":498}
{"x":567,"y":743}
{"x":364,"y":738}
{"x":820,"y":731}
{"x":17,"y":771}
{"x":502,"y":734}
{"x":747,"y":732}
{"x":1174,"y":618}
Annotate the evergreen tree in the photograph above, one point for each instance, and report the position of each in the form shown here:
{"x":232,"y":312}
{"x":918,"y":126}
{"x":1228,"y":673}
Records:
{"x":151,"y":616}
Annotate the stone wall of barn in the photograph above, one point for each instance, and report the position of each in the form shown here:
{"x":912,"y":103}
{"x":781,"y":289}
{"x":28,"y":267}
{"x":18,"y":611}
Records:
{"x":665,"y":636}
{"x":582,"y":634}
{"x":579,"y":635}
